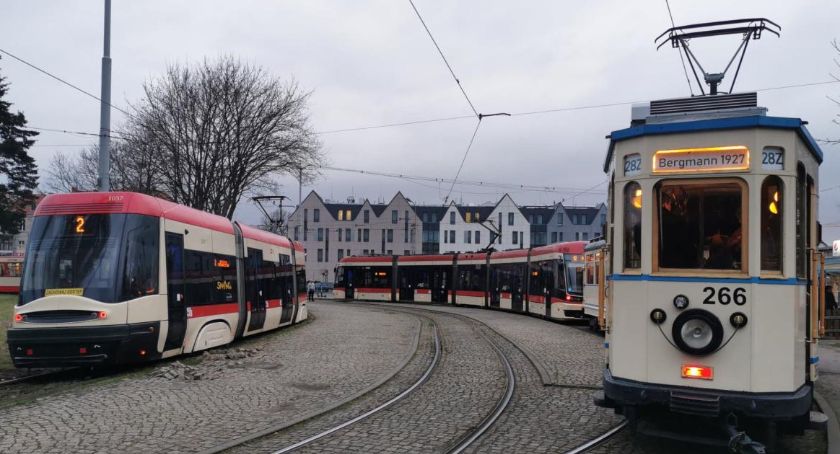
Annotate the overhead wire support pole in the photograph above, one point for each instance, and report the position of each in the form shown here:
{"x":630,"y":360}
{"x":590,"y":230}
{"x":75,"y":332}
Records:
{"x":105,"y":108}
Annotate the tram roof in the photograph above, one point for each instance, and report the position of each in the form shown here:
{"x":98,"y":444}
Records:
{"x":717,"y":124}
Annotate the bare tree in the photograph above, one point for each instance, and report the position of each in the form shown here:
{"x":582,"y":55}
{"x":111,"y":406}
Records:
{"x":219,"y":130}
{"x":132,"y":170}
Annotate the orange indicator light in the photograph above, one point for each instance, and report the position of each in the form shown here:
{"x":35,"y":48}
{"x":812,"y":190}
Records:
{"x":19,"y":318}
{"x":103,"y":315}
{"x":701,"y":372}
{"x":222,"y":263}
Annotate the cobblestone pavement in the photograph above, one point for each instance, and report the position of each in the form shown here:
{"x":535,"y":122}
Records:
{"x":560,"y":417}
{"x":563,"y":355}
{"x":275,"y":377}
{"x":462,"y":390}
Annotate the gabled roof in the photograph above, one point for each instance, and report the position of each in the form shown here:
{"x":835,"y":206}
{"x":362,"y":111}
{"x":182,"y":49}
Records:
{"x":483,"y":211}
{"x":546,"y":211}
{"x":334,"y":208}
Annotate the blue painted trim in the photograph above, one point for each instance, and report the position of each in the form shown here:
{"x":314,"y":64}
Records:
{"x":606,"y":345}
{"x":754,"y":121}
{"x":713,"y":280}
{"x":814,"y":359}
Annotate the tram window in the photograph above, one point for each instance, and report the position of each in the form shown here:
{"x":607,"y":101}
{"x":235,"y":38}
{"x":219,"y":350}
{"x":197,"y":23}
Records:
{"x":632,"y":225}
{"x":801,"y":223}
{"x":141,"y":255}
{"x":700,"y":225}
{"x":771,"y":224}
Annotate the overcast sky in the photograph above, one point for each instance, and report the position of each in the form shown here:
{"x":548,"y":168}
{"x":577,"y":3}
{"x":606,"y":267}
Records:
{"x":371,"y":63}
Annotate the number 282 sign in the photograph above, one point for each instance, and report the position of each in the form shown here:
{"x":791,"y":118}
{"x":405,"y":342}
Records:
{"x":689,"y":160}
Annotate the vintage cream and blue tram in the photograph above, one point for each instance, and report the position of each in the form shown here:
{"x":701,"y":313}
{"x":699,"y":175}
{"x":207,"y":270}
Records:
{"x":125,"y":277}
{"x":713,"y":305}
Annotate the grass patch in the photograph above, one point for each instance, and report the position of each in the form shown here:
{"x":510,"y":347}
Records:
{"x":7,"y":304}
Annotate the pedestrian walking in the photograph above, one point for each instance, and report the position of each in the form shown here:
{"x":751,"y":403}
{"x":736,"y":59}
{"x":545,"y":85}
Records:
{"x":311,"y":290}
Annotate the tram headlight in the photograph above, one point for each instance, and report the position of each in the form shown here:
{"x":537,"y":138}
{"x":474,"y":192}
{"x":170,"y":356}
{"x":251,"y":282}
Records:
{"x":697,"y":332}
{"x":738,"y":320}
{"x":658,"y":316}
{"x":681,"y":302}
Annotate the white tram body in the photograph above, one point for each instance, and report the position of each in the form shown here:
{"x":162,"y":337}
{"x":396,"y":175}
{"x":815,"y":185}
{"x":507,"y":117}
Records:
{"x":712,"y":306}
{"x":593,"y":292}
{"x":125,"y":277}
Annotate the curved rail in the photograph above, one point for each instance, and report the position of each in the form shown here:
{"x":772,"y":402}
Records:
{"x":500,"y":406}
{"x":381,"y":407}
{"x":26,"y":378}
{"x":599,"y":439}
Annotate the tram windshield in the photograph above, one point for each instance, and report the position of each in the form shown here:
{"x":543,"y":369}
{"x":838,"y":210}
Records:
{"x":106,"y":257}
{"x":574,"y":276}
{"x":700,"y":225}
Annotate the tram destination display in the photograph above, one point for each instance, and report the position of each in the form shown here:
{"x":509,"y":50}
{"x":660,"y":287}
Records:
{"x":689,"y":160}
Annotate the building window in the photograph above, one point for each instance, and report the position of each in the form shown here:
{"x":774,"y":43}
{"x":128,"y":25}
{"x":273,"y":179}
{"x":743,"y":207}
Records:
{"x":468,"y":217}
{"x":632,"y":225}
{"x":366,"y":233}
{"x":539,"y":219}
{"x":406,"y":252}
{"x":320,"y":234}
{"x":316,"y":215}
{"x":603,"y":218}
{"x":426,"y":217}
{"x":553,"y":237}
{"x":340,"y":252}
{"x":452,"y":217}
{"x":515,"y":237}
{"x":560,"y":236}
{"x":560,"y":217}
{"x":305,"y":215}
{"x":339,"y":233}
{"x":390,"y":235}
{"x":389,"y":252}
{"x":347,"y":215}
{"x":395,"y":217}
{"x":340,"y":215}
{"x":452,"y":236}
{"x":700,"y":223}
{"x":367,"y":216}
{"x":365,"y":252}
{"x":347,"y":235}
{"x":771,"y":224}
{"x":585,"y":236}
{"x":297,"y":232}
{"x":510,"y":218}
{"x":445,"y":237}
{"x":434,"y":217}
{"x":478,"y":237}
{"x":577,"y":236}
{"x":405,"y":228}
{"x":468,"y":236}
{"x":320,"y":255}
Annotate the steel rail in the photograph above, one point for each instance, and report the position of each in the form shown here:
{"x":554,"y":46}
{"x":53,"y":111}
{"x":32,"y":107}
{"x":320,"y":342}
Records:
{"x":381,"y":407}
{"x":501,"y":405}
{"x":599,"y":439}
{"x":26,"y":378}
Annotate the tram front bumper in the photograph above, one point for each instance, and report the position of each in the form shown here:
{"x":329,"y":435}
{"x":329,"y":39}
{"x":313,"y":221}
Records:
{"x":83,"y":346}
{"x":619,"y":392}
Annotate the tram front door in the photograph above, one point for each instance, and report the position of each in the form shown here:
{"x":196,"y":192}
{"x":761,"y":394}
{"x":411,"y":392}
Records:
{"x":439,"y":285}
{"x":176,"y":299}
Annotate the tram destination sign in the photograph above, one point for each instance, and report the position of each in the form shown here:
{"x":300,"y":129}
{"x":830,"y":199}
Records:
{"x":689,"y":160}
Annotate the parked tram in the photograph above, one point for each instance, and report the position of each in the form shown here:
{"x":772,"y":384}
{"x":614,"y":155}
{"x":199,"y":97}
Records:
{"x":11,"y":267}
{"x":125,"y":277}
{"x":713,"y":305}
{"x":545,"y":281}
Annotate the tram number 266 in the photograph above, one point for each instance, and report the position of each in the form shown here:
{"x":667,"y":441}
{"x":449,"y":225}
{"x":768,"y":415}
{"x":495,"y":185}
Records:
{"x":725,"y":295}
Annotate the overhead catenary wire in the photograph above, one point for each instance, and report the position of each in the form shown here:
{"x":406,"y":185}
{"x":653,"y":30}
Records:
{"x":463,"y":160}
{"x":445,"y":61}
{"x":73,"y":86}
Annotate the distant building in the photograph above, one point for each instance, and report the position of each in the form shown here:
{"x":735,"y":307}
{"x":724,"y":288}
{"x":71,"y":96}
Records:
{"x":17,"y":243}
{"x":331,"y":231}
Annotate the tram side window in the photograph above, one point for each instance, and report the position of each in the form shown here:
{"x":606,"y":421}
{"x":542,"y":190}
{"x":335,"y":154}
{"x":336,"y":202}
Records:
{"x":632,"y":226}
{"x":471,"y":277}
{"x":801,"y":222}
{"x":141,"y":256}
{"x":223,"y":283}
{"x":771,"y":224}
{"x":198,"y":277}
{"x":700,"y":225}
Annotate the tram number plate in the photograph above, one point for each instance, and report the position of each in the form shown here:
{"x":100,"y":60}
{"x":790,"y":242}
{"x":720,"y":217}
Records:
{"x":772,"y":158}
{"x":725,"y":295}
{"x":632,"y":164}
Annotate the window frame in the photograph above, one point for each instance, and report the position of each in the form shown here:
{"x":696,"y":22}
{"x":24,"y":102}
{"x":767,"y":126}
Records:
{"x":745,"y":223}
{"x":769,"y":179}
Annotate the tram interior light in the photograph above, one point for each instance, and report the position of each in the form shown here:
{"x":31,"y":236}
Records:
{"x":637,"y":198}
{"x":701,"y":372}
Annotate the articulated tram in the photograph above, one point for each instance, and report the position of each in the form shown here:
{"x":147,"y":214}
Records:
{"x":544,"y":281}
{"x":124,"y":277}
{"x":11,"y":267}
{"x":712,"y":301}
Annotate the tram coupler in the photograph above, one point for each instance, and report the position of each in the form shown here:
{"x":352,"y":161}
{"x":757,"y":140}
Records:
{"x":739,"y":441}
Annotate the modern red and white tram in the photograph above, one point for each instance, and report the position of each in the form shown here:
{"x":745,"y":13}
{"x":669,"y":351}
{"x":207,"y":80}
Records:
{"x":11,"y":266}
{"x":545,"y":281}
{"x":126,"y":277}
